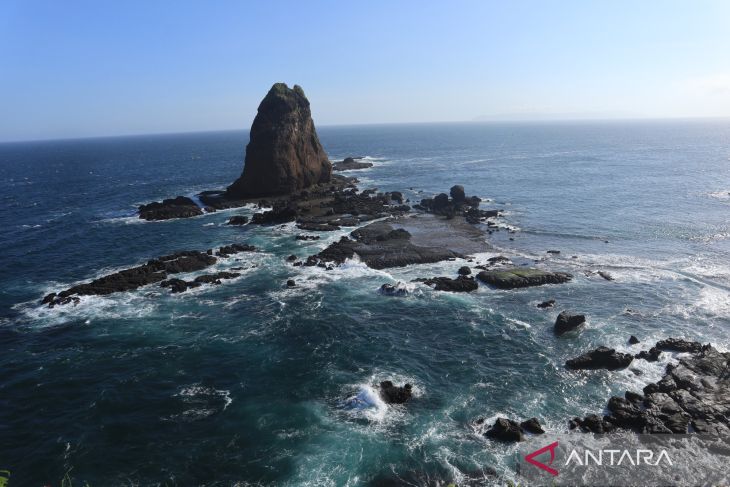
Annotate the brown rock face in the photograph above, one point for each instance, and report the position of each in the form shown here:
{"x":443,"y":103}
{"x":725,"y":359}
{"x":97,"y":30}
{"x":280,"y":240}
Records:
{"x":284,"y":153}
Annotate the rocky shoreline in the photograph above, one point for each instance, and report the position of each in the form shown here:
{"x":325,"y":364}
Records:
{"x":288,"y":173}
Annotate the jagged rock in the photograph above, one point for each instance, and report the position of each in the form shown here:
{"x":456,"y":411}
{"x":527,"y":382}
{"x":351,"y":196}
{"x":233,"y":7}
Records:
{"x":566,"y":322}
{"x":228,"y":250}
{"x":380,"y":246}
{"x":694,"y":393}
{"x":278,"y":214}
{"x":521,"y":277}
{"x":532,"y":425}
{"x":651,"y":355}
{"x":633,"y":340}
{"x":392,"y":394}
{"x":351,"y":163}
{"x":284,"y":153}
{"x":180,"y":207}
{"x":307,"y":237}
{"x":238,"y":220}
{"x":175,"y":285}
{"x":155,"y":270}
{"x":505,"y":430}
{"x":546,"y":304}
{"x":461,"y":284}
{"x":678,"y":345}
{"x":600,"y":358}
{"x":398,"y":290}
{"x":215,"y":278}
{"x":457,"y":193}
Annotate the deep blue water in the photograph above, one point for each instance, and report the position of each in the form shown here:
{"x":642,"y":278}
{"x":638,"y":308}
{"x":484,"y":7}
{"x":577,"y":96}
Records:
{"x":245,"y":382}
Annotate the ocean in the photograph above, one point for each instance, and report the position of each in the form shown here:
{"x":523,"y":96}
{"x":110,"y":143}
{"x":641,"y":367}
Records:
{"x":247,"y":383}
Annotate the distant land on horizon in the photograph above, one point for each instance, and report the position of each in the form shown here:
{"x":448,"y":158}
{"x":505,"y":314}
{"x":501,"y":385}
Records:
{"x":506,"y":118}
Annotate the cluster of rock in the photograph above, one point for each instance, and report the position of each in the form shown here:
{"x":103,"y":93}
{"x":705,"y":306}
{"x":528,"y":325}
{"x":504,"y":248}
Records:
{"x":507,"y":430}
{"x":457,"y":204}
{"x":380,"y":246}
{"x":350,"y":164}
{"x":154,"y":271}
{"x":693,"y":396}
{"x":179,"y":285}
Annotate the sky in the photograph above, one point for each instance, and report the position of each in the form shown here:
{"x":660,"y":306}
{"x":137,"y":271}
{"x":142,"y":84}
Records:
{"x":90,"y":68}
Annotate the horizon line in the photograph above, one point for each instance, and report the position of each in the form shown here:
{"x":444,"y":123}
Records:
{"x":366,"y":124}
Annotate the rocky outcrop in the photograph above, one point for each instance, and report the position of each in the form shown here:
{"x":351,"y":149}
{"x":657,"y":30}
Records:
{"x":238,"y":220}
{"x":678,"y":345}
{"x":693,"y":396}
{"x":398,"y":290}
{"x":509,"y":431}
{"x":461,"y":284}
{"x":393,"y":394}
{"x":600,"y":358}
{"x":546,"y":304}
{"x":380,"y":246}
{"x":351,"y":163}
{"x":179,"y":285}
{"x":180,"y":207}
{"x":521,"y":277}
{"x":566,"y":322}
{"x":155,"y":270}
{"x":284,"y":153}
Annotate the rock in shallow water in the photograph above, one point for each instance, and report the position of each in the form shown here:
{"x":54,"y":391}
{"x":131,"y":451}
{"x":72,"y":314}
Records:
{"x":393,"y":394}
{"x":461,"y":284}
{"x":522,"y":277}
{"x":180,"y":207}
{"x":566,"y":322}
{"x":693,"y":396}
{"x":600,"y":358}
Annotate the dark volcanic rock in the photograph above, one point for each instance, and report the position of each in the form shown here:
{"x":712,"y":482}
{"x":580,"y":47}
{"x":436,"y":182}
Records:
{"x":153,"y":271}
{"x":238,"y":220}
{"x":505,"y":430}
{"x":461,"y":284}
{"x":284,"y":153}
{"x":380,"y":246}
{"x":693,"y":396}
{"x":633,"y":340}
{"x":566,"y":322}
{"x":521,"y":277}
{"x":233,"y":249}
{"x":281,"y":213}
{"x":392,"y":394}
{"x":398,"y":290}
{"x":651,"y":355}
{"x":307,"y":237}
{"x":464,"y":271}
{"x":600,"y":358}
{"x":180,"y":207}
{"x":291,"y":283}
{"x":350,"y":163}
{"x":533,"y":426}
{"x":457,"y":193}
{"x":678,"y":345}
{"x":546,"y":304}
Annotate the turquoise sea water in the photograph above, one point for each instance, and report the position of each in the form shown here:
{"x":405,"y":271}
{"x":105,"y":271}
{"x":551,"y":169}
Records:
{"x":246,"y":383}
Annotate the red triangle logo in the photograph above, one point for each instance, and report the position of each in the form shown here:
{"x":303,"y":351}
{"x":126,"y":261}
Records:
{"x":531,"y":458}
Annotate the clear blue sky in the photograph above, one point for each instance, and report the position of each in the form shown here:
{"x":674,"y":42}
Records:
{"x":75,"y":68}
